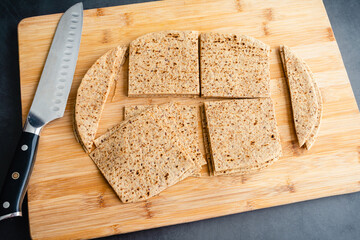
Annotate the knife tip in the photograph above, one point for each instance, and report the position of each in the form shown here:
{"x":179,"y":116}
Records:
{"x":78,"y":6}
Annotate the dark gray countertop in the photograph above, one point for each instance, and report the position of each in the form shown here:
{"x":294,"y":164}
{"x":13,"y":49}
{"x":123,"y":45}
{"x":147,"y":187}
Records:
{"x":328,"y":218}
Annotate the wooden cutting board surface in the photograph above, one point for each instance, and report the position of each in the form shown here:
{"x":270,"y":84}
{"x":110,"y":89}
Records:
{"x":69,"y":198}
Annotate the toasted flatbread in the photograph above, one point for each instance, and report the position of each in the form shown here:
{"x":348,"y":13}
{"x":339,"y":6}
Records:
{"x":187,"y":124}
{"x":92,"y":94}
{"x":141,"y":158}
{"x":98,"y":141}
{"x":164,"y":63}
{"x":311,"y":140}
{"x":243,"y":134}
{"x":234,"y":66}
{"x":304,"y":101}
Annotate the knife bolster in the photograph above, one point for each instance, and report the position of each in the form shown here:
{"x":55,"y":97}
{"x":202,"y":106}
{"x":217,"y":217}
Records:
{"x":30,"y":127}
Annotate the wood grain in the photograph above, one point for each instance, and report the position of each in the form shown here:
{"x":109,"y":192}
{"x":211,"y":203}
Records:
{"x":68,"y":197}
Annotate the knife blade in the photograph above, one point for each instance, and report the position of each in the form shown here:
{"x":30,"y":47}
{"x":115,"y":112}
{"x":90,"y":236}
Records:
{"x":48,"y":104}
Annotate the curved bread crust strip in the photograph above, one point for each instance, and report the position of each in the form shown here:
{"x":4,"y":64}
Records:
{"x":234,"y":65}
{"x":93,"y":92}
{"x":311,"y":140}
{"x":164,"y":63}
{"x":303,"y":96}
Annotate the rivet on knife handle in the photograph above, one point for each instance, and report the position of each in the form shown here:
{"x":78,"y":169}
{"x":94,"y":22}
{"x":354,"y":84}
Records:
{"x":16,"y":181}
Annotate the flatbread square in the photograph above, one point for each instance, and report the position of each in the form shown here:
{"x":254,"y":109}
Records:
{"x":234,"y":66}
{"x":243,"y":134}
{"x":164,"y":64}
{"x":141,"y":159}
{"x":186,"y":122}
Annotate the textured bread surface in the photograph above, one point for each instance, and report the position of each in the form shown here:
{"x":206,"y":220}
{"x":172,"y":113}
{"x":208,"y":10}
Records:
{"x":141,"y":159}
{"x":188,"y":124}
{"x":312,"y":137}
{"x":242,"y":134}
{"x":304,"y":99}
{"x":164,"y":64}
{"x":234,"y":66}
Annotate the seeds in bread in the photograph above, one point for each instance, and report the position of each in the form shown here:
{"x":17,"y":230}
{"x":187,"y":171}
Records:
{"x":164,"y":63}
{"x":304,"y":101}
{"x":243,"y":133}
{"x":93,"y":92}
{"x":141,"y":158}
{"x":234,"y":66}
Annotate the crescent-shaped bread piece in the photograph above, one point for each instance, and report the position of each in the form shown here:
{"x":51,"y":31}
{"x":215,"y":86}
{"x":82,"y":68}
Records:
{"x":311,"y":140}
{"x":92,"y":94}
{"x":304,"y":101}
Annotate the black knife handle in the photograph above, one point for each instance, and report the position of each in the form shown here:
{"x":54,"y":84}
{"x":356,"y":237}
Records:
{"x":15,"y":186}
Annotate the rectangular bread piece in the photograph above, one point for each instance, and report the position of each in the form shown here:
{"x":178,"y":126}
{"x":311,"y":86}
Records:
{"x":243,"y":134}
{"x":234,"y":66}
{"x":187,"y":123}
{"x":164,"y":64}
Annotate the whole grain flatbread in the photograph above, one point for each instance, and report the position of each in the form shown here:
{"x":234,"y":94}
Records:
{"x":311,"y":140}
{"x":141,"y":158}
{"x":304,"y":100}
{"x":243,"y":171}
{"x":187,"y":124}
{"x":242,"y":134}
{"x":164,"y":63}
{"x":234,"y":66}
{"x":98,"y":141}
{"x":92,"y":94}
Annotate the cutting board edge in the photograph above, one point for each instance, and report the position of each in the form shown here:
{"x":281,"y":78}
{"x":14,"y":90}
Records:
{"x":198,"y":219}
{"x":27,"y":20}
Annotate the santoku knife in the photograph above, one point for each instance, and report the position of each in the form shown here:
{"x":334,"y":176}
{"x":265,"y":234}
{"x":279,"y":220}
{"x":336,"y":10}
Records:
{"x":49,"y":103}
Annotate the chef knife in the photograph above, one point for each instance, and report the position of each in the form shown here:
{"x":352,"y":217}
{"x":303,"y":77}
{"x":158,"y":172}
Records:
{"x":49,"y":104}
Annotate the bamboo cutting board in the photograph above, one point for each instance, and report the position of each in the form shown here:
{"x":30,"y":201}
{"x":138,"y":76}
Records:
{"x":68,"y":197}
